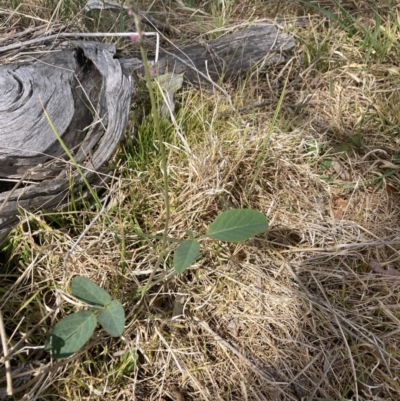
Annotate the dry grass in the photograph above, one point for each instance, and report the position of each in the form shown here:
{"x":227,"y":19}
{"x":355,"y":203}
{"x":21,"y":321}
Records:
{"x":294,"y":314}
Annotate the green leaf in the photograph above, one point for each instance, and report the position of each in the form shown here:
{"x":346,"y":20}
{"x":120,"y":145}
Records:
{"x":186,"y":253}
{"x":70,"y":334}
{"x":348,"y":148}
{"x":191,"y":234}
{"x":171,"y":82}
{"x":88,"y":291}
{"x":112,"y":318}
{"x":237,"y":225}
{"x":327,"y":179}
{"x":356,"y":141}
{"x":326,"y":164}
{"x":396,"y":158}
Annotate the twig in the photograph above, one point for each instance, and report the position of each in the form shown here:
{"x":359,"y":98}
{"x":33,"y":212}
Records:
{"x":5,"y":353}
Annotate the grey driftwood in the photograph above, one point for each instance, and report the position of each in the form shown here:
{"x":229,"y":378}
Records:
{"x":81,"y":91}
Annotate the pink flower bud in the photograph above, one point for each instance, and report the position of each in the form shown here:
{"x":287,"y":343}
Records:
{"x":134,"y":37}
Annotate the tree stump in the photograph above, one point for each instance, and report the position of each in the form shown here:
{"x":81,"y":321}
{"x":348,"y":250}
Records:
{"x":77,"y":94}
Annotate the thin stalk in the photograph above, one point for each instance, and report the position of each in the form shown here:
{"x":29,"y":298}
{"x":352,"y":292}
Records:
{"x":10,"y":390}
{"x":270,"y":128}
{"x":156,"y":119}
{"x":70,"y":155}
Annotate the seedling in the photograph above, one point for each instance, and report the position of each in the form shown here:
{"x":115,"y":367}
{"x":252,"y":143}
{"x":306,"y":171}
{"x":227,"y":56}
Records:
{"x":74,"y":331}
{"x":231,"y":226}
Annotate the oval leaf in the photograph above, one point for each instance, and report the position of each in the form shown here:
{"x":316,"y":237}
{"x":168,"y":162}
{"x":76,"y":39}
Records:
{"x":70,"y":334}
{"x":186,"y":253}
{"x":88,"y":291}
{"x":237,"y":225}
{"x":112,"y":319}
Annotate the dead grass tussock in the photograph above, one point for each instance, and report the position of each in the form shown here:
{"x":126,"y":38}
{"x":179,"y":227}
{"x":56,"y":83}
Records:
{"x":294,"y":313}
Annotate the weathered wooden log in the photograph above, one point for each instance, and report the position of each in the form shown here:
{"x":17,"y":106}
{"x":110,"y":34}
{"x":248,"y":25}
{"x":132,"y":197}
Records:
{"x":79,"y":92}
{"x":226,"y":57}
{"x":86,"y":96}
{"x":230,"y":55}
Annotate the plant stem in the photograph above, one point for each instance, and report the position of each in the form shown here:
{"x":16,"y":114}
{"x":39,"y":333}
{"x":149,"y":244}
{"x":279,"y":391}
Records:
{"x":156,"y":119}
{"x":71,"y":157}
{"x":269,"y":132}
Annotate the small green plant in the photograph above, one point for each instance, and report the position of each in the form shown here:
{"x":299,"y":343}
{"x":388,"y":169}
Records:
{"x":71,"y":333}
{"x":74,"y":331}
{"x":232,"y":226}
